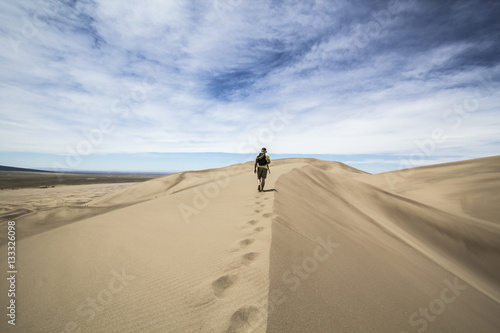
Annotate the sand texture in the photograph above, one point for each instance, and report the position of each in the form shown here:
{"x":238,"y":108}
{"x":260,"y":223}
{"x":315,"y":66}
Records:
{"x":326,"y":248}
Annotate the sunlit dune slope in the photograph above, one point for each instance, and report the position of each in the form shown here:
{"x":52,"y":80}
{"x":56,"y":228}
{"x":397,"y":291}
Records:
{"x":327,"y":248}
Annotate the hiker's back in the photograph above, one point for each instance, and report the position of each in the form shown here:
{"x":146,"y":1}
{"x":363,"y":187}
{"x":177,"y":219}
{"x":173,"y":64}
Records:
{"x":262,"y":159}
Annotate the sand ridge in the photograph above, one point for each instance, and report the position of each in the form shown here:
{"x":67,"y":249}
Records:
{"x":327,"y":248}
{"x":206,"y":274}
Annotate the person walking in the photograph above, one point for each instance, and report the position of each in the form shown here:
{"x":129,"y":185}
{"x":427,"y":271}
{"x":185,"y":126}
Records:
{"x":261,"y":167}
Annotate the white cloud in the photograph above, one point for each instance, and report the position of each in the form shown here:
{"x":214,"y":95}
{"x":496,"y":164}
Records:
{"x":204,"y":77}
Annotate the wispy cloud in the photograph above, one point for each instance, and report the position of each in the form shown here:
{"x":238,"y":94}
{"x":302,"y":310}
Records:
{"x":359,"y":77}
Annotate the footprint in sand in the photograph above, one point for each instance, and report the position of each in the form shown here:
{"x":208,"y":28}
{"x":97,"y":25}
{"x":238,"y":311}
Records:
{"x":245,"y":259}
{"x":245,"y":319}
{"x":262,"y":205}
{"x":269,"y":215}
{"x":248,"y":258}
{"x":254,"y":231}
{"x":257,"y":210}
{"x":222,"y":284}
{"x":258,"y":229}
{"x":246,"y":242}
{"x":241,"y":244}
{"x":248,"y":225}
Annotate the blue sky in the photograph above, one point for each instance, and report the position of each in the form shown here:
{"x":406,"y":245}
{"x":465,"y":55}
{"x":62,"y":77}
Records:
{"x":186,"y":85}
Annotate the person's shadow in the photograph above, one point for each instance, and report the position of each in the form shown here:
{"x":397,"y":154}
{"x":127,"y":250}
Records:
{"x":270,"y":190}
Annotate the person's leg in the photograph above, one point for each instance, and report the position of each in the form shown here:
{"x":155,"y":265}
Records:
{"x":259,"y":177}
{"x":263,"y":174}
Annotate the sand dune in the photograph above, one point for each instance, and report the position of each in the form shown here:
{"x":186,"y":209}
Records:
{"x":327,"y":248}
{"x":39,"y":210}
{"x":392,"y":257}
{"x":467,"y":187}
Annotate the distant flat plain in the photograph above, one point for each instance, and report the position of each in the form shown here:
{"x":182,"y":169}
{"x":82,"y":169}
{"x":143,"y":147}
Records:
{"x":29,"y":179}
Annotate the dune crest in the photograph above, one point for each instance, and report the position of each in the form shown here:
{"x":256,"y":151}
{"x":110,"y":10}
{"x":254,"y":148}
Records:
{"x":327,"y":248}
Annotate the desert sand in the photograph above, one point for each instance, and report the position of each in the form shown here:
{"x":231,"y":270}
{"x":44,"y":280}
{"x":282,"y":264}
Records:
{"x":326,"y":248}
{"x":43,"y":209}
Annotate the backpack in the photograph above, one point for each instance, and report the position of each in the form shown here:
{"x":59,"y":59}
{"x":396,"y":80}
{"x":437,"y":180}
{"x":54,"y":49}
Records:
{"x":261,"y":159}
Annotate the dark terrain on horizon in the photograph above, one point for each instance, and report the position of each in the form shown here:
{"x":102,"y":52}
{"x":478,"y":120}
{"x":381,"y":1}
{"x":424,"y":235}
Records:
{"x":16,"y":178}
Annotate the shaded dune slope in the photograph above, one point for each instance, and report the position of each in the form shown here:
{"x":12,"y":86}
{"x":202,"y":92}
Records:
{"x":398,"y":245}
{"x":470,"y":187}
